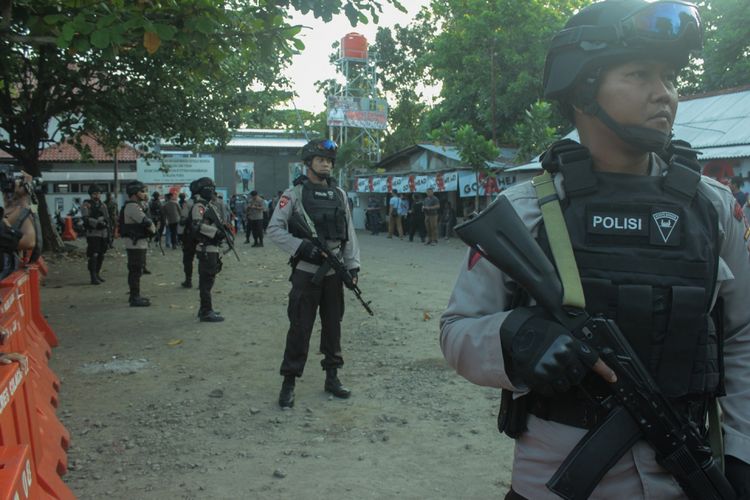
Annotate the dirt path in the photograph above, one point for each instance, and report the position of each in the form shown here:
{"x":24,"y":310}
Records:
{"x":161,"y":406}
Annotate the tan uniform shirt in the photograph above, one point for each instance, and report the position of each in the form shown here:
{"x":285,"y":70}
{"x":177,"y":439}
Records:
{"x":201,"y":211}
{"x":134,"y":214}
{"x":278,"y":232}
{"x":470,"y":340}
{"x":91,"y":223}
{"x":255,"y":208}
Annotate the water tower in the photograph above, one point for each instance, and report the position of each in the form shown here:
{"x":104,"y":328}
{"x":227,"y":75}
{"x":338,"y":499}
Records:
{"x":355,"y":113}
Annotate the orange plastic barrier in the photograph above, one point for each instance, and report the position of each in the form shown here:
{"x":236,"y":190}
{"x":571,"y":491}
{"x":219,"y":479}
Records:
{"x":33,"y":441}
{"x":17,"y":474}
{"x":68,"y":233}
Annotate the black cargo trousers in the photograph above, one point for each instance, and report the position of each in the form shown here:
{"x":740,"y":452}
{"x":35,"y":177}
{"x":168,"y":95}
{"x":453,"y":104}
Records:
{"x":136,"y":263}
{"x":209,"y":265}
{"x":305,"y":299}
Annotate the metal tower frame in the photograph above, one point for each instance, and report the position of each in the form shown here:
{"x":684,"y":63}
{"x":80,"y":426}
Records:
{"x":360,"y":81}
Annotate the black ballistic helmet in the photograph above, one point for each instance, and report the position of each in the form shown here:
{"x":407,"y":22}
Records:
{"x":134,"y":187}
{"x":204,"y":187}
{"x":324,"y":148}
{"x":616,"y":31}
{"x":95,"y":188}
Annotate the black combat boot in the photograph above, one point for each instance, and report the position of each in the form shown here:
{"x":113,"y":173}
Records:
{"x":99,"y":262}
{"x":138,"y":301}
{"x":333,"y":385}
{"x":286,"y":396}
{"x":211,"y":316}
{"x":188,"y":283}
{"x":92,"y":271}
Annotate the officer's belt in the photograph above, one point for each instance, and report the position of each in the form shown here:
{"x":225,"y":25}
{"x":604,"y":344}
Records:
{"x":587,"y":414}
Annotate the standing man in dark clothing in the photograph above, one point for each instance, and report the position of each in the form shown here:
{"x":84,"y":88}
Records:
{"x":136,"y":228}
{"x":431,"y":207}
{"x":208,"y":229}
{"x":157,"y":215}
{"x":373,"y":215}
{"x":172,"y":217}
{"x":415,"y":220}
{"x":98,"y":231}
{"x":317,"y":200}
{"x":188,"y":241}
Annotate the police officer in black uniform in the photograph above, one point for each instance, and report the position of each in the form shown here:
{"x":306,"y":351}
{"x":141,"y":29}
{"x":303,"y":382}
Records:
{"x":98,"y":226}
{"x":316,"y":200}
{"x":137,"y":227}
{"x":208,"y":230}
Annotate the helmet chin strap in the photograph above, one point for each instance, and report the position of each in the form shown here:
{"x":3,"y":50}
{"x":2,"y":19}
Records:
{"x":323,"y":177}
{"x":645,"y":139}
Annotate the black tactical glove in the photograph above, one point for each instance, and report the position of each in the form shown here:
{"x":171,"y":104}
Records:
{"x":738,"y":474}
{"x":9,"y":238}
{"x":541,"y":354}
{"x":350,"y":279}
{"x":308,"y":252}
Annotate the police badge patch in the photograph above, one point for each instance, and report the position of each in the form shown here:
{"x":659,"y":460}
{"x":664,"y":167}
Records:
{"x":665,"y":230}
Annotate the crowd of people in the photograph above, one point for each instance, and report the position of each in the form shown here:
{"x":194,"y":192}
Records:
{"x":412,"y":214}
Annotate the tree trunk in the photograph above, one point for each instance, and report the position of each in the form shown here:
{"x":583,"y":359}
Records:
{"x":52,"y":240}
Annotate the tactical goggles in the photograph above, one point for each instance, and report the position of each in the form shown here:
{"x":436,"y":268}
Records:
{"x":327,"y":145}
{"x":670,"y":22}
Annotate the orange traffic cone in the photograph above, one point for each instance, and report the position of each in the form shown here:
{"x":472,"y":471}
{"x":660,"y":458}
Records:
{"x":68,"y":233}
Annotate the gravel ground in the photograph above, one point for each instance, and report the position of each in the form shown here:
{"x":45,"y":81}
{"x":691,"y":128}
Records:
{"x":162,"y":406}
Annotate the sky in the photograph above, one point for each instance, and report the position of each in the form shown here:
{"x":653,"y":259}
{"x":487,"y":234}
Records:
{"x":312,"y":64}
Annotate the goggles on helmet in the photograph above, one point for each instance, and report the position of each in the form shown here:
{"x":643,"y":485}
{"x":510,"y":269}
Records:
{"x":327,"y":145}
{"x":657,"y":23}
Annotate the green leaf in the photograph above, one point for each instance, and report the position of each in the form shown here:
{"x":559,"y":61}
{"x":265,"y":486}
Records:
{"x":100,"y":38}
{"x":165,"y":31}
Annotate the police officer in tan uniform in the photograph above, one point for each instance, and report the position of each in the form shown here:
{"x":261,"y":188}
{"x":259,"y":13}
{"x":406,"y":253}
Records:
{"x":660,"y":250}
{"x":137,"y":227}
{"x":98,"y":226}
{"x":208,"y":231}
{"x":318,"y":200}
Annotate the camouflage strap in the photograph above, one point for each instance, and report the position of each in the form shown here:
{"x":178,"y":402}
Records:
{"x":559,"y":241}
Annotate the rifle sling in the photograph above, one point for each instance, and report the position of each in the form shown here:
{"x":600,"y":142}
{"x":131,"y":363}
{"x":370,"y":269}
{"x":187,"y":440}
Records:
{"x":559,"y":241}
{"x":594,"y":455}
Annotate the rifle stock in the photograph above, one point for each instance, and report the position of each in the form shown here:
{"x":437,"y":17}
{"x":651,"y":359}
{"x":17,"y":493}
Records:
{"x":500,"y":236}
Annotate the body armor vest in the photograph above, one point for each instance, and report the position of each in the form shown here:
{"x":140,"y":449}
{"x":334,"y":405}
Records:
{"x":97,"y":209}
{"x":326,"y":208}
{"x":133,"y":230}
{"x":647,"y":250}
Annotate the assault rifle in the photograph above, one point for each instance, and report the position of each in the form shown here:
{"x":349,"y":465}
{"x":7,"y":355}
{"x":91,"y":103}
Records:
{"x":214,"y":218}
{"x":299,"y":227}
{"x":637,"y":409}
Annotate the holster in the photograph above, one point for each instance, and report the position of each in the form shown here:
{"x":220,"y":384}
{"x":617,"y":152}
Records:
{"x":513,"y":414}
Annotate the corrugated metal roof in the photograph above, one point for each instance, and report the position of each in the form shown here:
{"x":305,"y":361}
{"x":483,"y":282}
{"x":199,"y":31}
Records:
{"x":711,"y":121}
{"x":738,"y":151}
{"x":448,"y":151}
